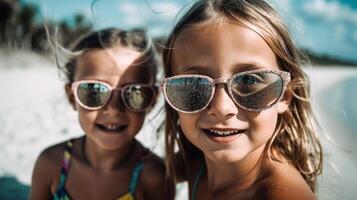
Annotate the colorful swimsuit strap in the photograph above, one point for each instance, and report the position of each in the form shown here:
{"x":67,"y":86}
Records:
{"x":135,"y":176}
{"x":61,"y":193}
{"x":197,"y":180}
{"x":133,"y":181}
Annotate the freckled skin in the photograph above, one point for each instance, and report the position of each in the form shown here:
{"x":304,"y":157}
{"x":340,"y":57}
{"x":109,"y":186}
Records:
{"x":234,"y":169}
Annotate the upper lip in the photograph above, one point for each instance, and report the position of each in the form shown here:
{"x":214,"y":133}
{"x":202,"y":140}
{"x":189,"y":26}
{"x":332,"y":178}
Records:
{"x":225,"y":129}
{"x":111,"y":124}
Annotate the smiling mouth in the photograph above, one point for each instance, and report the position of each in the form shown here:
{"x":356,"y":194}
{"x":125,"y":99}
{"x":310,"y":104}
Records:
{"x":221,"y":133}
{"x":111,"y":128}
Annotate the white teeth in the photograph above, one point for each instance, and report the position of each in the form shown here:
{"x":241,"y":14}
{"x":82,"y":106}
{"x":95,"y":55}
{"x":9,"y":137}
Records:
{"x":111,"y":127}
{"x":224,"y":132}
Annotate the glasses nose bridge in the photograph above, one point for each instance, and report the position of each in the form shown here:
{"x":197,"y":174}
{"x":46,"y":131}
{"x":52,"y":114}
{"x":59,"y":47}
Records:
{"x":116,"y":98}
{"x":114,"y":93}
{"x":117,"y":89}
{"x":221,"y":81}
{"x":218,"y":106}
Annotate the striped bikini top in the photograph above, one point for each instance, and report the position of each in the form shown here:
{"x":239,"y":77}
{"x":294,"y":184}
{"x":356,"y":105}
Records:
{"x":61,"y":192}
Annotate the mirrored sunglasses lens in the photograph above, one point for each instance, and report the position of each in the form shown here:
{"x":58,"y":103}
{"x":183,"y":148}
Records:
{"x":188,"y":93}
{"x":138,"y":97}
{"x":93,"y":94}
{"x":257,"y":90}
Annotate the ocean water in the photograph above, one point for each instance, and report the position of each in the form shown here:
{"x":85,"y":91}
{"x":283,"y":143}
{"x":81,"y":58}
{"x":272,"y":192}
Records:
{"x":34,"y":114}
{"x":333,"y":96}
{"x":345,"y":93}
{"x":11,"y":188}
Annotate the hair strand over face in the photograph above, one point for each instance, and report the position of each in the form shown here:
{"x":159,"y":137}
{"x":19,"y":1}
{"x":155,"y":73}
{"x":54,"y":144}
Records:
{"x":295,"y":136}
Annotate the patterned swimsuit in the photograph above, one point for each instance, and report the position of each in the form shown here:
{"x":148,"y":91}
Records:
{"x":61,"y":192}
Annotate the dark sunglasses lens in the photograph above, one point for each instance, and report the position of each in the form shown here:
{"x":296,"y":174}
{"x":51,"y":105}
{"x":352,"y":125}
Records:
{"x":93,"y":94}
{"x":257,"y":90}
{"x":188,"y":93}
{"x":138,"y":97}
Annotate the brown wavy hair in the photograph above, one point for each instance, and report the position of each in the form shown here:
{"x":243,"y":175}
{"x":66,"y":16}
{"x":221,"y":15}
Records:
{"x":295,"y":136}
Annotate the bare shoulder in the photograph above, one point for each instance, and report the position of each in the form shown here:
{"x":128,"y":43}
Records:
{"x":154,"y":179}
{"x":47,"y":169}
{"x":283,"y":181}
{"x":49,"y":161}
{"x":52,"y":154}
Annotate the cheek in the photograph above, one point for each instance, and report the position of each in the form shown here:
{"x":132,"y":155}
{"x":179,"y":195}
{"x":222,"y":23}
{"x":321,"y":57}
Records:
{"x":188,"y":123}
{"x":135,"y":121}
{"x":86,"y":118}
{"x":263,"y":125}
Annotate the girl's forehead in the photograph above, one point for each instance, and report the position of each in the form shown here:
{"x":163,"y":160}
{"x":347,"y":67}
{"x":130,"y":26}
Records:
{"x":221,"y":44}
{"x":117,"y":64}
{"x":219,"y":34}
{"x":121,"y":57}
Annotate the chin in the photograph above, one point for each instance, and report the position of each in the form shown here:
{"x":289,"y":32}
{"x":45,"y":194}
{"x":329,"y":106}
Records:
{"x":111,"y":145}
{"x":226,"y":156}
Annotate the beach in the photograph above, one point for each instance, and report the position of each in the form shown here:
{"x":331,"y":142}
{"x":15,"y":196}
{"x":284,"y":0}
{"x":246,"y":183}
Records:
{"x":36,"y":114}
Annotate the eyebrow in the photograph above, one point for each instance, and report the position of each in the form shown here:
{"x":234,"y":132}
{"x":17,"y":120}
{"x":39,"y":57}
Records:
{"x":247,"y":66}
{"x":240,"y":67}
{"x":199,"y":69}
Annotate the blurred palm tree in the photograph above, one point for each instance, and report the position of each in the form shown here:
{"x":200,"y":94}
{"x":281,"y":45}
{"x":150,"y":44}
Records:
{"x":26,"y":24}
{"x":69,"y":32}
{"x":8,"y":10}
{"x":81,"y":27}
{"x":17,"y":23}
{"x":21,"y":27}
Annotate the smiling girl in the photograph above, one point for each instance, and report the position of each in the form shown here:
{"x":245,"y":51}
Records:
{"x":111,"y":85}
{"x":238,"y":107}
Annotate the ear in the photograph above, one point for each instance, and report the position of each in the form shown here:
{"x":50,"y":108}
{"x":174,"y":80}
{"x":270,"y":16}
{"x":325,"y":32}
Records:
{"x":284,"y":102}
{"x":70,"y":95}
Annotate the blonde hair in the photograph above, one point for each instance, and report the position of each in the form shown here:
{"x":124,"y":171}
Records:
{"x":103,"y":39}
{"x":295,"y":136}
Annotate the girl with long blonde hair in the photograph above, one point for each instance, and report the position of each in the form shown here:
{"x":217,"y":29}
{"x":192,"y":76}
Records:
{"x":239,"y":123}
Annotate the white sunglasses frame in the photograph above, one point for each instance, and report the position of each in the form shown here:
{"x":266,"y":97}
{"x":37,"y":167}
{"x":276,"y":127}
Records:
{"x":75,"y":85}
{"x":285,"y":76}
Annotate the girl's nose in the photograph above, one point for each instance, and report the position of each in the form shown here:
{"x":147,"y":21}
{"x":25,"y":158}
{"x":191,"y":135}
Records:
{"x":222,"y":106}
{"x":115,"y":103}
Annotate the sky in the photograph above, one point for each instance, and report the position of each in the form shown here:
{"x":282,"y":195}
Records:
{"x":324,"y":26}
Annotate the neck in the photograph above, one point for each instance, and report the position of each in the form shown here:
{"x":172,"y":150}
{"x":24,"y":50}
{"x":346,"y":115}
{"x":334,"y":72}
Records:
{"x":103,"y":160}
{"x":241,"y":174}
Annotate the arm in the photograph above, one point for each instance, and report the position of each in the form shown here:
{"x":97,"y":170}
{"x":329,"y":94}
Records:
{"x":41,"y":183}
{"x":47,"y":166}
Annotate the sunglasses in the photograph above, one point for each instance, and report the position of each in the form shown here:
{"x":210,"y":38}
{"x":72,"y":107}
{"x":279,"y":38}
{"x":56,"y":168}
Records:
{"x":93,"y":95}
{"x":254,"y":90}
